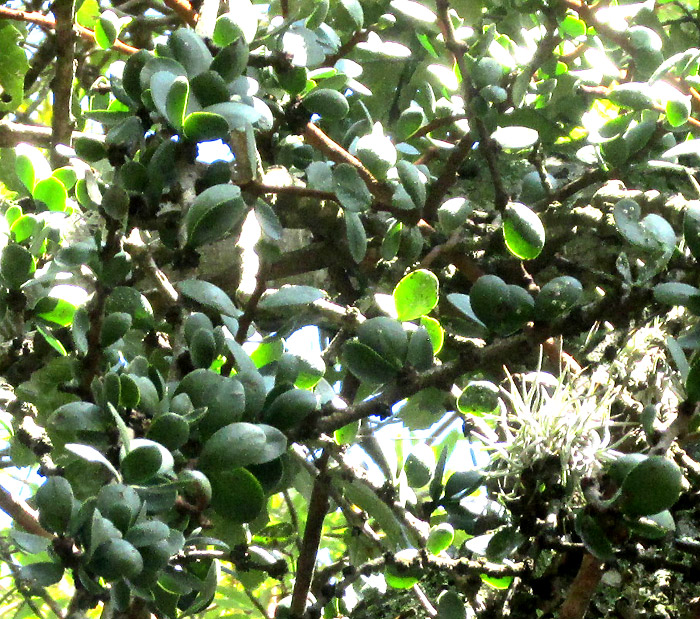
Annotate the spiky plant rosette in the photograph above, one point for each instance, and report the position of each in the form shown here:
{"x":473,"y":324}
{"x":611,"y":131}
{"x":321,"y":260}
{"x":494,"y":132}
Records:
{"x":547,"y":420}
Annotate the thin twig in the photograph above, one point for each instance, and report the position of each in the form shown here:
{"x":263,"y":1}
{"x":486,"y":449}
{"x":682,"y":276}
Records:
{"x":21,"y":513}
{"x":437,"y":123}
{"x":424,"y":601}
{"x":335,"y":152}
{"x":255,"y":602}
{"x":6,"y":556}
{"x":292,"y":517}
{"x":486,"y":144}
{"x":49,"y":23}
{"x":141,"y":254}
{"x":91,"y":361}
{"x":412,"y":525}
{"x":437,"y":250}
{"x":358,"y":37}
{"x":246,"y":320}
{"x":50,"y":602}
{"x":184,"y":11}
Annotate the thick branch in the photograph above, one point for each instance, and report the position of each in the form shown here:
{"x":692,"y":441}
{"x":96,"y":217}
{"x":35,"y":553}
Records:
{"x":292,"y":190}
{"x":471,"y":358}
{"x":12,"y":134}
{"x":582,"y":589}
{"x":318,"y":507}
{"x":447,"y":177}
{"x":62,"y":85}
{"x":41,"y":59}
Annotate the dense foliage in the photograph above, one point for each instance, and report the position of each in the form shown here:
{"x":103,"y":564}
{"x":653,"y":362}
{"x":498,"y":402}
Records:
{"x":349,"y":308}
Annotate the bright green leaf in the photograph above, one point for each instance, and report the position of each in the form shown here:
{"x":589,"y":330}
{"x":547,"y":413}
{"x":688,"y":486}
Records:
{"x":416,"y":294}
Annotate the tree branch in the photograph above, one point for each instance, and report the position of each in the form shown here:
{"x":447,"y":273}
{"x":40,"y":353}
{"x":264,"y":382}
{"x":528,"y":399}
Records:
{"x":41,"y":59}
{"x":359,"y":37}
{"x":247,"y":318}
{"x":49,"y":23}
{"x":335,"y":152}
{"x":12,"y":134}
{"x":471,"y":357}
{"x":21,"y":513}
{"x":62,"y":85}
{"x":91,"y":361}
{"x":436,"y":123}
{"x":6,"y":556}
{"x":447,"y":177}
{"x":184,"y":11}
{"x":318,"y":507}
{"x":582,"y":589}
{"x":291,"y":190}
{"x":486,"y":144}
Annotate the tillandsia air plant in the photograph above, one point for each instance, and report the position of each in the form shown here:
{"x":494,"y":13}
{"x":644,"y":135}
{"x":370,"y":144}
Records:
{"x":558,"y":425}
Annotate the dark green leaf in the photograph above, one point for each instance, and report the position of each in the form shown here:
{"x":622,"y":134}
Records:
{"x":16,"y":265}
{"x":213,"y":213}
{"x":523,"y":231}
{"x":190,"y":51}
{"x":241,"y":444}
{"x":205,"y":126}
{"x":289,"y":296}
{"x":231,"y":61}
{"x":208,"y":295}
{"x":356,"y":235}
{"x":593,"y":536}
{"x":237,"y":495}
{"x":350,"y":188}
{"x":366,"y":364}
{"x":327,"y":103}
{"x":558,"y":297}
{"x":43,"y":574}
{"x":115,"y":202}
{"x":691,"y":229}
{"x":651,"y":487}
